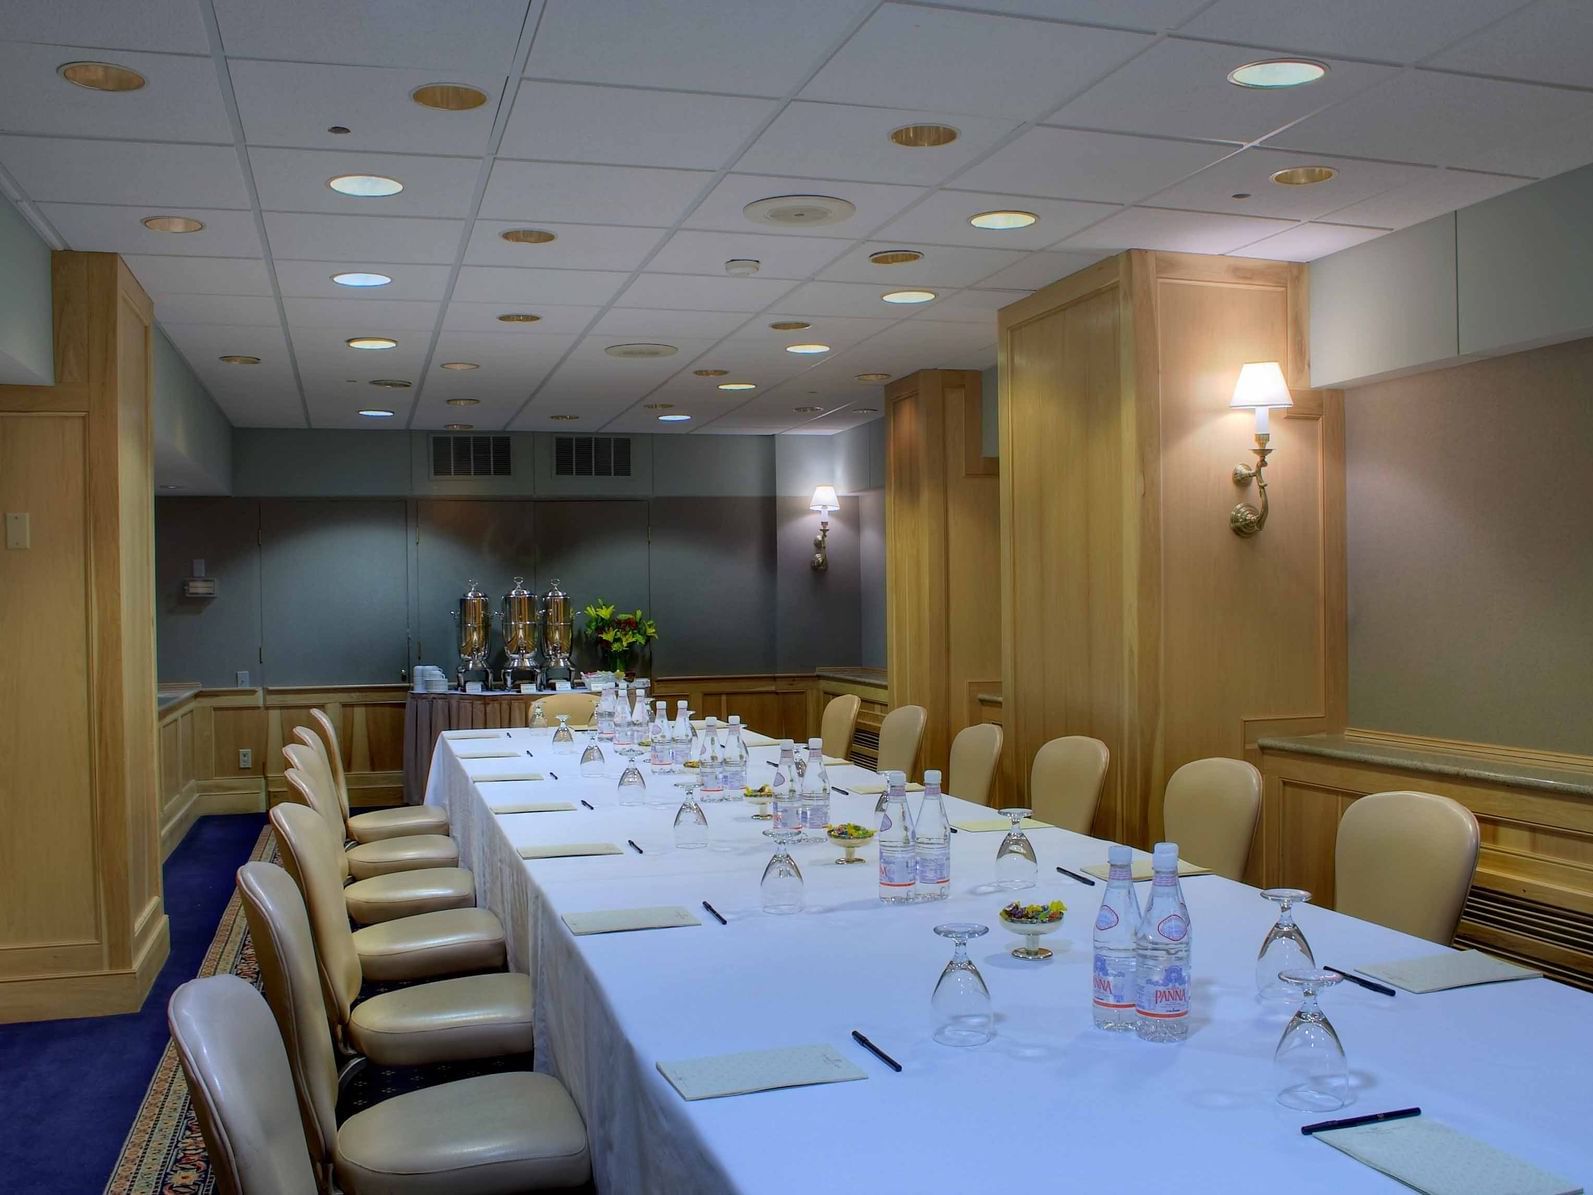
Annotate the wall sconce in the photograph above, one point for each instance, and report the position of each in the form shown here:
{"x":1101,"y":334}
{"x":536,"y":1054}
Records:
{"x":824,"y":501}
{"x":1260,"y":388}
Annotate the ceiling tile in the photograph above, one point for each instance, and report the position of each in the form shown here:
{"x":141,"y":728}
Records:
{"x":965,"y":306}
{"x":1106,"y":167}
{"x":942,"y":219}
{"x":750,"y":47}
{"x":1183,"y":232}
{"x":202,"y":344}
{"x":577,"y":246}
{"x":181,"y":98}
{"x":920,"y":58}
{"x":503,"y":284}
{"x":294,"y":103}
{"x":700,"y":292}
{"x":361,"y":239}
{"x":1042,"y":269}
{"x":200,"y":275}
{"x":646,"y":323}
{"x":690,"y":252}
{"x":844,"y":141}
{"x":494,"y":389}
{"x":1181,"y":89}
{"x":842,"y":299}
{"x":1402,"y":32}
{"x":295,"y":180}
{"x":832,"y":330}
{"x":584,"y":194}
{"x":1550,"y":42}
{"x":497,"y":353}
{"x":467,"y":35}
{"x":170,"y":26}
{"x":1455,"y":120}
{"x":483,"y":317}
{"x":1432,"y":194}
{"x":385,"y":317}
{"x":1135,"y":14}
{"x":322,"y":345}
{"x":630,"y":126}
{"x":1250,"y":173}
{"x":721,"y":208}
{"x":102,"y":228}
{"x":125,"y":172}
{"x":313,"y":280}
{"x":942,"y":266}
{"x":236,"y":310}
{"x":1307,"y":242}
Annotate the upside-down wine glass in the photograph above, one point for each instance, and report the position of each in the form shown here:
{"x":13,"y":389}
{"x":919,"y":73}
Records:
{"x":632,"y":786}
{"x":1284,"y":948}
{"x":961,"y":1001}
{"x":563,"y":737}
{"x":1309,"y":1062}
{"x":782,"y":879}
{"x":592,"y":762}
{"x":1016,"y":863}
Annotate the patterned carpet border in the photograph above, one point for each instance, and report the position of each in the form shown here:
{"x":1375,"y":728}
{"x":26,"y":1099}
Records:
{"x":164,"y":1153}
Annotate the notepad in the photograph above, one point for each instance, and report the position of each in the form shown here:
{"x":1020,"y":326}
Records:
{"x":507,"y":777}
{"x":1453,"y":969}
{"x":452,"y":735}
{"x":758,"y":1070}
{"x":567,"y":850}
{"x":868,"y":789}
{"x":614,"y":921}
{"x":831,"y":761}
{"x":483,"y":753}
{"x":987,"y":825}
{"x":535,"y":807}
{"x":1434,"y":1158}
{"x":1143,"y":871}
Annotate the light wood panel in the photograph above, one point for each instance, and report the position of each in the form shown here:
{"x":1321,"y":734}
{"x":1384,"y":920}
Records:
{"x":873,"y":704}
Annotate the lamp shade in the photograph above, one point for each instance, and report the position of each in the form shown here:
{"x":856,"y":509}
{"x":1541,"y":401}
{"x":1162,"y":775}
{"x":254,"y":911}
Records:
{"x":824,"y":499}
{"x":1261,"y":385}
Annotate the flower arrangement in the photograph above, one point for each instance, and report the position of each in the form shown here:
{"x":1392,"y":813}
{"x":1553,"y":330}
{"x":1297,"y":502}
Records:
{"x":617,"y":635}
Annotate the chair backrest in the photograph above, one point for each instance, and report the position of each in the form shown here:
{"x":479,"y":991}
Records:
{"x":1065,"y":781}
{"x":1405,"y":860}
{"x":302,"y":792}
{"x":237,"y":1073}
{"x":899,"y":736}
{"x":837,"y":724}
{"x":284,"y":947}
{"x":322,"y":724}
{"x":322,"y":773}
{"x":309,"y":854}
{"x":1210,"y":810}
{"x":579,"y":706}
{"x":975,"y":752}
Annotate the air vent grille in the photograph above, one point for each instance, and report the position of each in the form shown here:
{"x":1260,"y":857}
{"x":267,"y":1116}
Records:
{"x":470,"y":456}
{"x":592,"y":456}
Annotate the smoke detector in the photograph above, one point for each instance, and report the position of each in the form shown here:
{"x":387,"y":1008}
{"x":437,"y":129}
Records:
{"x":799,"y":211}
{"x":641,"y":350}
{"x":742,"y":267}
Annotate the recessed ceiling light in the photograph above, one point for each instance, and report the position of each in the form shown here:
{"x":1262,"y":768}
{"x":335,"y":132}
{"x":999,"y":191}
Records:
{"x":391,"y":383}
{"x":638,"y":351}
{"x":908,"y":296}
{"x":376,"y":413}
{"x":527,"y":236}
{"x":864,"y":411}
{"x":657,"y":406}
{"x":790,"y":325}
{"x":673,"y":418}
{"x":895,"y":257}
{"x":743,"y":267}
{"x":924,"y":136}
{"x":873,"y":377}
{"x":365,"y":186}
{"x":371,"y":342}
{"x":564,"y":418}
{"x":1240,"y":195}
{"x":738,"y":385}
{"x":999,"y":221}
{"x":518,"y":317}
{"x":1303,"y":176}
{"x":102,"y":76}
{"x":799,"y":211}
{"x":238,"y":359}
{"x":449,"y":97}
{"x":360,"y":278}
{"x":338,"y":130}
{"x":710,"y":373}
{"x":807,"y":348}
{"x":459,"y":366}
{"x":172,"y":224}
{"x":172,"y":487}
{"x":464,"y":402}
{"x":807,"y":410}
{"x":1272,"y":73}
{"x":459,"y":427}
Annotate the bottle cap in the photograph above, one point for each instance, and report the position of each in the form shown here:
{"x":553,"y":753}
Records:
{"x":713,"y":722}
{"x":817,"y":744}
{"x":784,"y":743}
{"x":896,"y":779}
{"x":1165,"y":856}
{"x":1118,"y":855}
{"x":932,"y":777}
{"x":735,"y":719}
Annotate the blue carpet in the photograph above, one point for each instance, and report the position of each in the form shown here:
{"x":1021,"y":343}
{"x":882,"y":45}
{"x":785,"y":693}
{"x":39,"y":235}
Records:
{"x":71,"y":1088}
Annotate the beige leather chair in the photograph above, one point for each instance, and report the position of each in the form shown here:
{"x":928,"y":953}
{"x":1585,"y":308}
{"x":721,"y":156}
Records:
{"x":1405,"y":860}
{"x":1210,"y":810}
{"x":365,"y":859}
{"x":1065,"y":781}
{"x":475,"y":1016}
{"x":838,"y":723}
{"x":579,"y":707}
{"x":393,"y":822}
{"x":899,"y":736}
{"x":975,"y":753}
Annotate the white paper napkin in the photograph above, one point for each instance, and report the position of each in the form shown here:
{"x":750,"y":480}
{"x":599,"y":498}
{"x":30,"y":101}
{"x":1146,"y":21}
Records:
{"x":1434,"y":1158}
{"x":758,"y":1070}
{"x":1143,"y":871}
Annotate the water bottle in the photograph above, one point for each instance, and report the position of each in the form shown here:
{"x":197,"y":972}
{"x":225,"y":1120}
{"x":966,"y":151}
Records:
{"x":733,"y":767}
{"x":1161,"y":954}
{"x":1115,"y":926}
{"x":815,"y":790}
{"x":711,"y":762}
{"x":624,"y":733}
{"x":897,"y":863}
{"x":661,"y":747}
{"x":785,"y":769}
{"x":605,"y":712}
{"x":787,"y":795}
{"x":539,"y":719}
{"x":932,"y":844}
{"x":680,"y":736}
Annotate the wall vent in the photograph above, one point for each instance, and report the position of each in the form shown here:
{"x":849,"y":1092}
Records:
{"x":470,"y":456}
{"x":591,"y":456}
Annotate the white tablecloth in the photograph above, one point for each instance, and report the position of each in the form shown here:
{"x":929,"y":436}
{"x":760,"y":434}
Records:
{"x":1049,"y":1100}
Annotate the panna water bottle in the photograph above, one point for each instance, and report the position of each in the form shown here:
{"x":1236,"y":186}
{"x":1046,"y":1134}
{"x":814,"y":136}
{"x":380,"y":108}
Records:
{"x":733,"y":767}
{"x":710,"y":762}
{"x":815,"y":790}
{"x":539,"y":719}
{"x":1112,"y":987}
{"x":785,"y":769}
{"x":897,"y":863}
{"x":1161,"y":955}
{"x":932,"y":844}
{"x":625,"y":731}
{"x":680,"y":736}
{"x":660,"y":744}
{"x":604,"y":713}
{"x":787,"y":794}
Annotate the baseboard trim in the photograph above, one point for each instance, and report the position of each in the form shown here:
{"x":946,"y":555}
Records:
{"x":89,"y":993}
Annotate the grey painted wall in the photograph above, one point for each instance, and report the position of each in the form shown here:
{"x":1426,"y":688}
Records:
{"x":1470,"y":502}
{"x":27,"y":346}
{"x":193,"y":440}
{"x":871,"y":577}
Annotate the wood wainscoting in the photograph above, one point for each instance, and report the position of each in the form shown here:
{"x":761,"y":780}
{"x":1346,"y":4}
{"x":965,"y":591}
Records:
{"x":875,"y":703}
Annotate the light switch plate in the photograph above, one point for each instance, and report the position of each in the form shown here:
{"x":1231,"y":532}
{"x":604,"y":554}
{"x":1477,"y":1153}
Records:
{"x":18,"y":534}
{"x":245,"y":758}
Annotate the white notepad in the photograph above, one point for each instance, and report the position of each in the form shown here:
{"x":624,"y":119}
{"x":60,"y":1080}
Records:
{"x":507,"y":777}
{"x":534,"y":807}
{"x":1434,"y":1158}
{"x":484,"y":753}
{"x":614,"y":921}
{"x":873,"y":788}
{"x":758,"y":1070}
{"x":565,"y":850}
{"x":1142,"y":869}
{"x":1453,"y":969}
{"x":451,"y":735}
{"x":988,"y":825}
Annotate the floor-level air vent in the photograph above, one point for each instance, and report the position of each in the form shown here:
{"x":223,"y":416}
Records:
{"x":592,"y":456}
{"x":470,"y":456}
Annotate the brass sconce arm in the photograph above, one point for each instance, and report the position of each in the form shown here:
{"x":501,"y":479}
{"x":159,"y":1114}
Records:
{"x":1244,"y":519}
{"x":821,"y":555}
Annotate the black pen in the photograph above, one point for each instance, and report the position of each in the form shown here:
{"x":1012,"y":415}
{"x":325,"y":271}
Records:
{"x":1073,"y":875}
{"x":954,"y":829}
{"x":1356,"y":979}
{"x":587,"y":803}
{"x":845,"y":792}
{"x":529,"y":753}
{"x":634,"y":847}
{"x":555,"y":775}
{"x":715,"y":912}
{"x":876,"y":1051}
{"x":1356,"y":1121}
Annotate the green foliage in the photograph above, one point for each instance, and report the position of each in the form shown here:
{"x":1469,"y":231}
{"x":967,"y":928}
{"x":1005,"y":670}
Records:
{"x":617,"y":634}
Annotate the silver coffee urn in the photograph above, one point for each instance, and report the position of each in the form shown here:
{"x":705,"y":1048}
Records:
{"x":558,"y":630}
{"x":474,"y":617}
{"x":520,"y":626}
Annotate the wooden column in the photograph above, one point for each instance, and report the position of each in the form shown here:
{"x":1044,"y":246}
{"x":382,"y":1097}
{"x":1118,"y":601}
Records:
{"x":83,"y":929}
{"x":942,"y":509}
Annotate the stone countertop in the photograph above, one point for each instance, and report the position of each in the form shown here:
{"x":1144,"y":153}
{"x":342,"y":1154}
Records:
{"x":1437,"y":763}
{"x":167,"y":696}
{"x":855,"y":675}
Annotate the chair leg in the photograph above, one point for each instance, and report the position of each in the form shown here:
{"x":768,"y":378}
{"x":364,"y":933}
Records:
{"x":345,"y":1073}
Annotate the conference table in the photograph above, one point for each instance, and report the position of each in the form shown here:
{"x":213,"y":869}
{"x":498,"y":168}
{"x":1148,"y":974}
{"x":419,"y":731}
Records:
{"x":1049,"y":1102}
